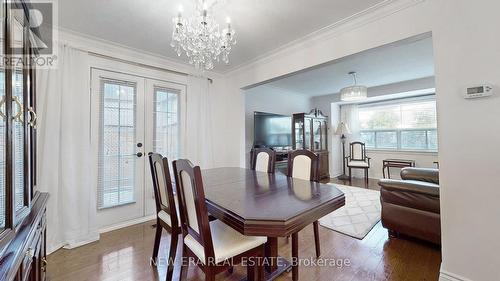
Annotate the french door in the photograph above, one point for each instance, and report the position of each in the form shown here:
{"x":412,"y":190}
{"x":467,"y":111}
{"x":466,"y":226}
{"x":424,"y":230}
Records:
{"x":134,"y":116}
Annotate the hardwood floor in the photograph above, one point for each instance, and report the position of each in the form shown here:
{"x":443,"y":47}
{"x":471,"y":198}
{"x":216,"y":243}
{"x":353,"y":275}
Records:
{"x":359,"y":182}
{"x":124,"y":255}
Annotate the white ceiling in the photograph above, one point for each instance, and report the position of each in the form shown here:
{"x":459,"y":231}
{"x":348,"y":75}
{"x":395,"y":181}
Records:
{"x":389,"y":64}
{"x":261,"y":25}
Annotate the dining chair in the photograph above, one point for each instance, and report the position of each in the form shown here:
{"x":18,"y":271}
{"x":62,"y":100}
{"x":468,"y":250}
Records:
{"x":304,"y":164}
{"x":263,"y":160}
{"x":358,"y":159}
{"x":212,"y":243}
{"x":167,"y":215}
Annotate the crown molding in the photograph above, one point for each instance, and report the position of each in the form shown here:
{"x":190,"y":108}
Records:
{"x":372,"y":14}
{"x":104,"y":47}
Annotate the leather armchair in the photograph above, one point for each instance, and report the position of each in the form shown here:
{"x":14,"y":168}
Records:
{"x":411,"y":206}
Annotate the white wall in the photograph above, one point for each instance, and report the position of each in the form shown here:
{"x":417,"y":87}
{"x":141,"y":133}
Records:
{"x":469,"y":130}
{"x":422,"y":160}
{"x":466,"y":52}
{"x":271,"y":100}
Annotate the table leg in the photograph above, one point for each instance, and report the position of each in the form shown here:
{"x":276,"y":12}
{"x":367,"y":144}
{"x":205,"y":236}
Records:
{"x":275,"y":265}
{"x":295,"y":256}
{"x":272,"y":253}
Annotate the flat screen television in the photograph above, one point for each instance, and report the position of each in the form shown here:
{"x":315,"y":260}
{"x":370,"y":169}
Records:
{"x":272,"y":130}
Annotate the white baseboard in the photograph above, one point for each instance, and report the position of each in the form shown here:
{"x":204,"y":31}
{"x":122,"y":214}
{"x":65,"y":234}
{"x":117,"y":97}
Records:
{"x":93,"y":238}
{"x":127,"y":223}
{"x":447,"y":276}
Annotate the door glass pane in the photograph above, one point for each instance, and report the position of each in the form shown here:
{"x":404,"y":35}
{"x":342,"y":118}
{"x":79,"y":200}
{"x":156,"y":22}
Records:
{"x":2,"y":124}
{"x":117,"y":159}
{"x":166,"y":123}
{"x":17,"y":109}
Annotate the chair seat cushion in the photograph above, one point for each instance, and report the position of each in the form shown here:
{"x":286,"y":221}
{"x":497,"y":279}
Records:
{"x":362,"y":164}
{"x":162,"y":215}
{"x":227,"y":242}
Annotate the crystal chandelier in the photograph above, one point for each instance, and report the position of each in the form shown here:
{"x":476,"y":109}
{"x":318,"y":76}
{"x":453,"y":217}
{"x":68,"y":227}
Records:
{"x":354,"y":92}
{"x":200,"y":38}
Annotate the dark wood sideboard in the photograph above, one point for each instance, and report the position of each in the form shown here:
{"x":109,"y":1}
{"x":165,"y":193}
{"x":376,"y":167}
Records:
{"x":22,"y":207}
{"x":25,"y":256}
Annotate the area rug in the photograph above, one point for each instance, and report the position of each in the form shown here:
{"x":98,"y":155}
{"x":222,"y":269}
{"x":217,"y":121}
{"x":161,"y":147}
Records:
{"x":359,"y":215}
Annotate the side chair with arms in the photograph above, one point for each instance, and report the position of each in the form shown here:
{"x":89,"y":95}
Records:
{"x":167,"y":216}
{"x":304,"y":165}
{"x":358,"y":159}
{"x":212,"y":243}
{"x":263,"y":160}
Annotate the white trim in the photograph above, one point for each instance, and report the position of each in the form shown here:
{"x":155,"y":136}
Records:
{"x":392,"y":151}
{"x":102,"y":230}
{"x":447,"y":276}
{"x":72,"y":245}
{"x":374,"y":13}
{"x":100,"y":46}
{"x":127,"y":223}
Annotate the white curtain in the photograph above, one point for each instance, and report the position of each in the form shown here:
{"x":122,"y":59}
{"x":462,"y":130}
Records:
{"x":64,"y":158}
{"x":349,"y":115}
{"x":199,"y":140}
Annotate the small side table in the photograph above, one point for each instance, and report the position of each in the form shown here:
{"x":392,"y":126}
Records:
{"x":396,"y":163}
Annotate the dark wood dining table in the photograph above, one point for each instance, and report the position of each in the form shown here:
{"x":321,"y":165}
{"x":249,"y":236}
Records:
{"x":272,"y":205}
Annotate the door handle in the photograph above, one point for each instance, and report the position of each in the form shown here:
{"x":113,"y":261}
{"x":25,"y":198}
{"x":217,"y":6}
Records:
{"x":19,"y":115}
{"x":139,"y":154}
{"x":33,"y":118}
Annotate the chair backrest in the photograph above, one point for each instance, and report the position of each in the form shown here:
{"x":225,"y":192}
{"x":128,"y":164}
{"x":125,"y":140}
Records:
{"x":162,"y":186}
{"x":192,"y":206}
{"x":303,"y":164}
{"x":263,"y":160}
{"x":358,"y":152}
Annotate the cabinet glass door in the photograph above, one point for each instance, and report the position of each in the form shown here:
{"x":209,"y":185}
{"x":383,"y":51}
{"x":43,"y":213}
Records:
{"x":307,"y":128}
{"x":3,"y":120}
{"x":317,"y":135}
{"x":299,"y":134}
{"x":324,"y":133}
{"x":18,"y":101}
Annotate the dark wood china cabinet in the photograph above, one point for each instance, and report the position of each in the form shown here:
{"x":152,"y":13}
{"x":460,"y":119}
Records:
{"x":22,"y":207}
{"x":310,"y":131}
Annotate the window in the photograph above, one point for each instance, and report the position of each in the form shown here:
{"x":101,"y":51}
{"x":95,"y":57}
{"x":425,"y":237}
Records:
{"x":407,"y":124}
{"x":117,"y":159}
{"x":166,"y":122}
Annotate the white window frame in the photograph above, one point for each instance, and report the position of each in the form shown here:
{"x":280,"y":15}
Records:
{"x":399,"y":131}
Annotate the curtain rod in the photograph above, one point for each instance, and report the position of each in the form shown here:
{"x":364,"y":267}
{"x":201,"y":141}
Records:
{"x":141,"y":64}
